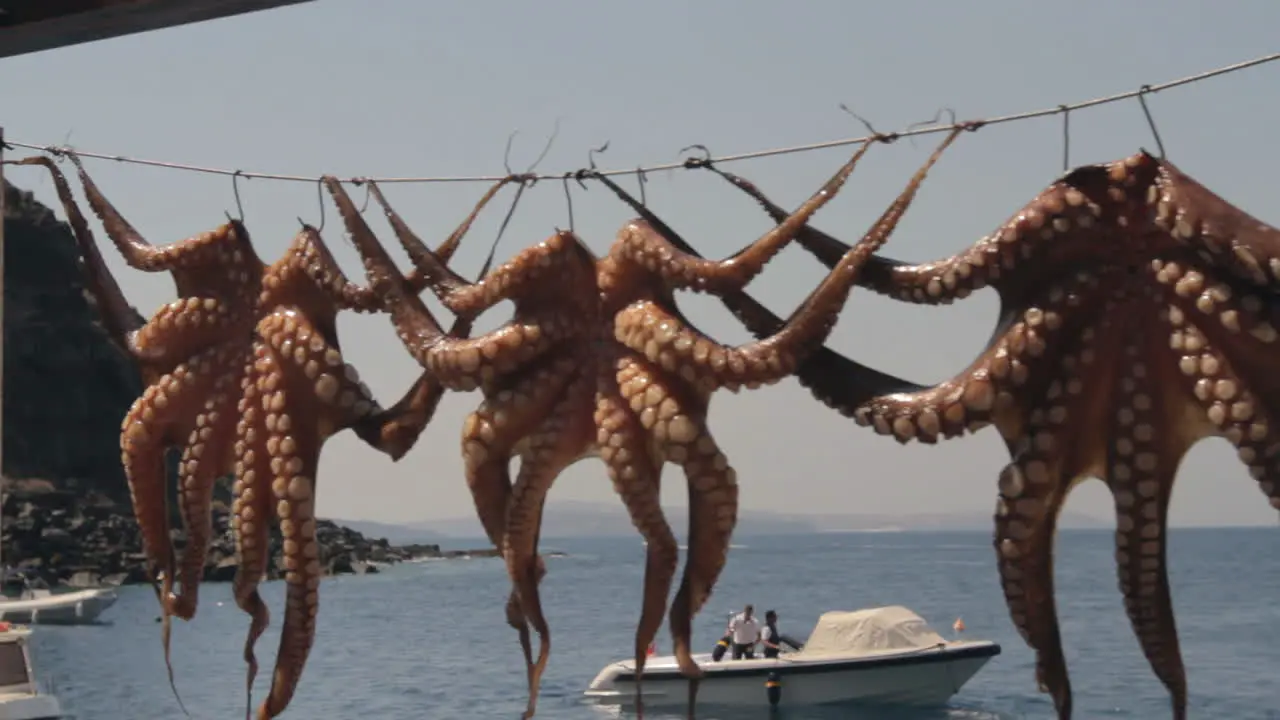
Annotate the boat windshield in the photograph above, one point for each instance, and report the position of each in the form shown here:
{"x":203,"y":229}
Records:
{"x":13,"y":666}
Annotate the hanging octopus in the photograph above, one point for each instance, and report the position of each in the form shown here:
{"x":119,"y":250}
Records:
{"x":297,"y":393}
{"x":489,"y":478}
{"x":597,"y":362}
{"x":217,"y":286}
{"x":253,"y":383}
{"x":1138,"y":316}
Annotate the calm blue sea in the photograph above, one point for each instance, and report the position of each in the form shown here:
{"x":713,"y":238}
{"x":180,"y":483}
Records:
{"x":427,"y":640}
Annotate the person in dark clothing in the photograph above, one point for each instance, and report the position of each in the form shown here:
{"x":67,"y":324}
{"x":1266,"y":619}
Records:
{"x":769,"y":636}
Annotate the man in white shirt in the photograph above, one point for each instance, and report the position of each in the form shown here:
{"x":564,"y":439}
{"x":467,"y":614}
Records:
{"x":745,"y":629}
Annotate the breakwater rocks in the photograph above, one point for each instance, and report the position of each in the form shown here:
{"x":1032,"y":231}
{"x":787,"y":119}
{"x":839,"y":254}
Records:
{"x":66,"y":538}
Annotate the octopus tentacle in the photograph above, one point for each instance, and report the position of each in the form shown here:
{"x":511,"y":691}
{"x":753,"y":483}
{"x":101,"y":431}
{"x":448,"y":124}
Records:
{"x":1061,"y":224}
{"x":146,"y":430}
{"x":1227,"y":236}
{"x":293,"y":495}
{"x":556,"y":444}
{"x":1051,"y":454}
{"x":490,"y":434}
{"x":307,"y":358}
{"x":294,"y":460}
{"x":673,"y":418}
{"x":1033,"y":488}
{"x":530,"y":271}
{"x":252,"y":508}
{"x":638,"y":244}
{"x":300,"y":362}
{"x":183,"y":327}
{"x":1213,"y":359}
{"x":1247,"y":323}
{"x":315,"y":257}
{"x":1142,"y":465}
{"x":835,"y":380}
{"x":1127,"y":399}
{"x":713,"y":512}
{"x":413,"y":322}
{"x":1010,"y":369}
{"x":433,"y":274}
{"x":204,"y":460}
{"x":518,"y":622}
{"x":395,"y":430}
{"x":878,"y":272}
{"x":460,"y":364}
{"x":189,"y":254}
{"x":646,"y":328}
{"x":623,"y":444}
{"x":507,"y":416}
{"x":151,"y":425}
{"x":1218,"y":358}
{"x":1023,"y":542}
{"x":522,"y":274}
{"x":465,"y":364}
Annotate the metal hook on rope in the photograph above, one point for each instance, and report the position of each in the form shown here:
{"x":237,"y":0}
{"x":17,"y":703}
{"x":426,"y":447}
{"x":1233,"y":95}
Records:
{"x":1142,"y":100}
{"x":235,"y":190}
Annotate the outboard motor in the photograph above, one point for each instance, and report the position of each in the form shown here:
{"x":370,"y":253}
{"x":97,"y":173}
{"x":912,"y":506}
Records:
{"x":773,"y":688}
{"x":721,"y":647}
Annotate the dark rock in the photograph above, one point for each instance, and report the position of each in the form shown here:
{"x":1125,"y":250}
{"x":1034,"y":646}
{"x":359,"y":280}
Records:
{"x":66,"y":388}
{"x":51,"y":538}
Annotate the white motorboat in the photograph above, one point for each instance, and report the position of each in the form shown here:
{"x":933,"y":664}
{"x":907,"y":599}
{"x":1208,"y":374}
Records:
{"x":44,"y":607}
{"x":20,"y":698}
{"x":877,"y":656}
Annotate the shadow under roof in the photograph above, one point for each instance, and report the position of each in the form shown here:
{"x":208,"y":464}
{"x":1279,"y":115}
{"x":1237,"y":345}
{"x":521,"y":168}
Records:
{"x":28,"y":26}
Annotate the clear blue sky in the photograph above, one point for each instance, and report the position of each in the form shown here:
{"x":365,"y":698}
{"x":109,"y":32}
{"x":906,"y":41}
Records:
{"x":414,"y":88}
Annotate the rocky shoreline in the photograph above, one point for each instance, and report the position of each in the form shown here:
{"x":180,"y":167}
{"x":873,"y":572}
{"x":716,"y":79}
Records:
{"x":79,"y":539}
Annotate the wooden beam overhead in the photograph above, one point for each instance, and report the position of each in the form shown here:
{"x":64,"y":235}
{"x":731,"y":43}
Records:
{"x":28,"y":26}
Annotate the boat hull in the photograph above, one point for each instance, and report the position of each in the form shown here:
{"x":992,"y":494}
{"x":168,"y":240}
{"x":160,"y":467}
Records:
{"x":80,"y":607}
{"x":30,"y":707}
{"x":921,"y":678}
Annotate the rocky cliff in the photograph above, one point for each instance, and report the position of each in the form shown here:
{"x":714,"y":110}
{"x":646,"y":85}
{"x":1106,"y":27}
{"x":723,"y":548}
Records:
{"x":67,"y":512}
{"x":66,"y":387}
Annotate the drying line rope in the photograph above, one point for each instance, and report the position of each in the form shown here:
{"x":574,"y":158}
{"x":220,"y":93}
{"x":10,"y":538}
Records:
{"x":1140,"y":93}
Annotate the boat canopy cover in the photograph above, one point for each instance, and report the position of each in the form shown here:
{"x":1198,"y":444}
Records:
{"x":884,"y":629}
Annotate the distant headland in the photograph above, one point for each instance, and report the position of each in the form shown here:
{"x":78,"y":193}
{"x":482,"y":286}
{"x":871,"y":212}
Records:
{"x":571,"y":518}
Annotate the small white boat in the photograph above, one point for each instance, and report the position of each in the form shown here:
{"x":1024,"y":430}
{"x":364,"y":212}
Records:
{"x":20,"y":699}
{"x":877,"y":656}
{"x":43,"y":607}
